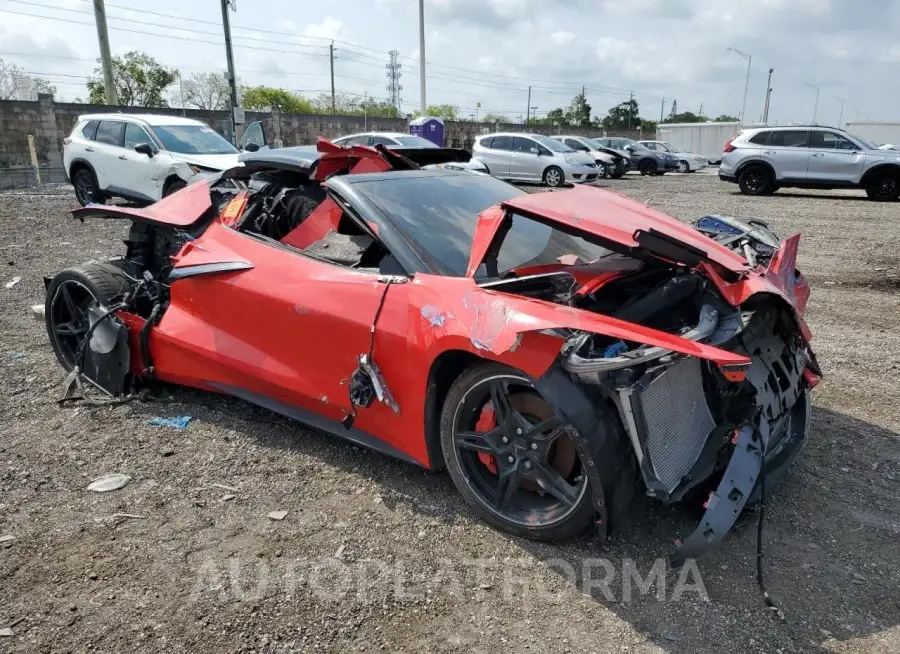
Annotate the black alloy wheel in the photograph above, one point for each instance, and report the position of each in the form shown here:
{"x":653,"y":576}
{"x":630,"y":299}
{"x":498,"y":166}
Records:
{"x":883,"y":187}
{"x":67,"y":319}
{"x":647,"y":167}
{"x":512,"y":457}
{"x":86,"y":190}
{"x":756,"y":180}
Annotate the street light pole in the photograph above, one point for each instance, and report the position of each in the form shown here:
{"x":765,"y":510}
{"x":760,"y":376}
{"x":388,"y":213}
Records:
{"x":422,"y":54}
{"x":747,"y":81}
{"x":815,"y":106}
{"x":841,"y":117}
{"x":768,"y":95}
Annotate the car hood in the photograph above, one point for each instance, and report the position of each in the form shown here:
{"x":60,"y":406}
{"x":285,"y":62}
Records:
{"x":883,"y":155}
{"x":214,"y":161}
{"x":628,"y":226}
{"x":602,"y":156}
{"x":580,"y":157}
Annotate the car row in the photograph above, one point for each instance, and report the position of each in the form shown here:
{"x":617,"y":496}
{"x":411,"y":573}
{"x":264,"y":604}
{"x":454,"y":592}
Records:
{"x":144,"y":157}
{"x":765,"y":159}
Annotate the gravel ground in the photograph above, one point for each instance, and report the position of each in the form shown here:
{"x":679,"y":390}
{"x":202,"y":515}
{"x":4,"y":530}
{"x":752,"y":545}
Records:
{"x":377,"y":555}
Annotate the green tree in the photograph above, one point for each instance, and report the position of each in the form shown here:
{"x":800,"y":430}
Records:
{"x":140,"y":81}
{"x":554,"y":117}
{"x":495,"y":118}
{"x":260,"y":98}
{"x":378,"y":108}
{"x":686,"y":117}
{"x":207,"y":91}
{"x":445,"y":111}
{"x":578,"y":112}
{"x":725,"y":118}
{"x":624,"y":115}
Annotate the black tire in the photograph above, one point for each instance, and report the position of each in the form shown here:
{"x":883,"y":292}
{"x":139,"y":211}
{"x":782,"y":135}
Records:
{"x":684,"y":167}
{"x":756,"y":180}
{"x":94,"y":282}
{"x":87,"y":191}
{"x":883,"y":186}
{"x":545,"y":516}
{"x":647,"y":167}
{"x":554,"y":177}
{"x":173,"y":187}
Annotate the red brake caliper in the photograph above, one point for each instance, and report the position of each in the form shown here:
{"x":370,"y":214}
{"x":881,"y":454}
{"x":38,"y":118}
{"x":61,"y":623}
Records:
{"x":487,"y":420}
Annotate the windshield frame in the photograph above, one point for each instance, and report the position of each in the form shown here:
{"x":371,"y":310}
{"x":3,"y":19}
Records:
{"x":168,"y":134}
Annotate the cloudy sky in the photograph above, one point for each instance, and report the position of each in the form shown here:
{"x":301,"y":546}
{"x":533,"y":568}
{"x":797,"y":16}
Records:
{"x":491,"y":51}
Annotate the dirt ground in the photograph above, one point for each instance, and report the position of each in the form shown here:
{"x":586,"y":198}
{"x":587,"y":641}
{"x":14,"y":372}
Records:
{"x":378,"y":555}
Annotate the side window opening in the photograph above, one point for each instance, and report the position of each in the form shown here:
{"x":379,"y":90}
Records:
{"x":299,"y":216}
{"x":89,"y":131}
{"x":760,"y":139}
{"x":111,"y":132}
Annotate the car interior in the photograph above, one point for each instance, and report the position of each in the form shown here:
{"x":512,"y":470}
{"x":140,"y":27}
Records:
{"x":295,"y":212}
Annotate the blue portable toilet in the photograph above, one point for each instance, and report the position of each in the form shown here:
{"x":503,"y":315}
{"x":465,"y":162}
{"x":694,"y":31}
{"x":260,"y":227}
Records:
{"x":428,"y":127}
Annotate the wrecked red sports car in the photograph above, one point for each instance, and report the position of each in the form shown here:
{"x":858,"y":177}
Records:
{"x":556,"y":352}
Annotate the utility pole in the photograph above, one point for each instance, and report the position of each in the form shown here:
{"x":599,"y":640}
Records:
{"x":229,"y":56}
{"x":422,"y":54}
{"x":747,"y":82}
{"x":534,"y":113}
{"x":528,"y":108}
{"x":701,"y":110}
{"x":331,"y":58}
{"x":816,"y":105}
{"x":841,"y":117}
{"x":105,"y":56}
{"x":765,"y":119}
{"x":662,"y":109}
{"x":630,"y":105}
{"x":365,"y":111}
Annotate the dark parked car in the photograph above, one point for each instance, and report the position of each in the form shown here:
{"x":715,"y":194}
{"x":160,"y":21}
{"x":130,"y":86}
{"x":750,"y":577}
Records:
{"x":645,"y":161}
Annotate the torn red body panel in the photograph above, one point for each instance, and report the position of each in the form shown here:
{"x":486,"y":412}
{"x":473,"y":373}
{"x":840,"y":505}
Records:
{"x":180,"y":210}
{"x":364,"y":322}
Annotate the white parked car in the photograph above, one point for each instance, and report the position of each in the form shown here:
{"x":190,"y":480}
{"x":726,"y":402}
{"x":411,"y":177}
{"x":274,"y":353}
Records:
{"x":141,"y":157}
{"x":688,"y":162}
{"x":609,"y":162}
{"x":533,"y":158}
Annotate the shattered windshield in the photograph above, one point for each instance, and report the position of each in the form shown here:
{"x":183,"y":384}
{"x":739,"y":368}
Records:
{"x":531,"y":243}
{"x":438,"y":212}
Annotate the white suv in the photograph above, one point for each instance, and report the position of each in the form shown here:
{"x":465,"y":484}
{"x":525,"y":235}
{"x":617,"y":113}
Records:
{"x":764,"y":159}
{"x":141,"y":157}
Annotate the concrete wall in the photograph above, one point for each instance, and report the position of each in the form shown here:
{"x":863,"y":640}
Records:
{"x":50,"y":122}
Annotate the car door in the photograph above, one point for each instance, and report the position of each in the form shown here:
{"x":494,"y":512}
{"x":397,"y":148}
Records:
{"x":834,"y":158}
{"x":104,"y":154}
{"x":254,"y":135}
{"x":525,"y":160}
{"x":140,"y":176}
{"x":496,"y":155}
{"x":274,"y":325}
{"x":788,"y":153}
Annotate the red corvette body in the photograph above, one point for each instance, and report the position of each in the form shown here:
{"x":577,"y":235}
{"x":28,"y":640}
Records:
{"x":267,"y":317}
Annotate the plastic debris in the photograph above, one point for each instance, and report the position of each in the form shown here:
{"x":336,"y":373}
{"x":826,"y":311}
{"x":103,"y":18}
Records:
{"x":224,"y":487}
{"x":17,"y":356}
{"x":7,"y":538}
{"x":226,"y":498}
{"x":6,"y":633}
{"x":178,"y":422}
{"x":108,"y":483}
{"x":277,"y":515}
{"x":13,"y":282}
{"x":37,"y":311}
